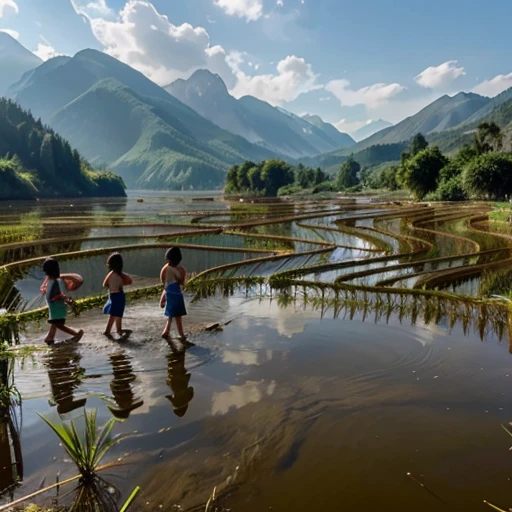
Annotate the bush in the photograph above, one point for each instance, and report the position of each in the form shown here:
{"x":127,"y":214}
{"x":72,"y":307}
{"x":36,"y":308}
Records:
{"x":289,"y":189}
{"x":489,"y":176}
{"x":355,"y":189}
{"x":449,"y":190}
{"x":327,"y":186}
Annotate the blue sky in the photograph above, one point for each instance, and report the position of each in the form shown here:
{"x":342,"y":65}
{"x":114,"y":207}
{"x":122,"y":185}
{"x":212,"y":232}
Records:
{"x":347,"y":61}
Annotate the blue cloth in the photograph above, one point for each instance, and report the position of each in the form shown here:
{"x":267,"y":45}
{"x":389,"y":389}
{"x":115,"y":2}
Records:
{"x":115,"y":305}
{"x":174,"y":301}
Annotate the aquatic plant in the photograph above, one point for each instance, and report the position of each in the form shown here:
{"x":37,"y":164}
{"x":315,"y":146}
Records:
{"x":86,"y":450}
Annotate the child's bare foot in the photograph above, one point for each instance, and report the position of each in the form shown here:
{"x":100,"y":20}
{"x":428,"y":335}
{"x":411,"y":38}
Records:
{"x":108,"y":334}
{"x":49,"y":342}
{"x":165,"y":334}
{"x":78,"y":336}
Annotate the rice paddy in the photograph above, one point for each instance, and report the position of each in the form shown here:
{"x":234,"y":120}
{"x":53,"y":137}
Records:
{"x":340,"y":265}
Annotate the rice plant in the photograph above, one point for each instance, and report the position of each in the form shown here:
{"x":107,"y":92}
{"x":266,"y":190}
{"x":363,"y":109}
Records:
{"x":86,"y":450}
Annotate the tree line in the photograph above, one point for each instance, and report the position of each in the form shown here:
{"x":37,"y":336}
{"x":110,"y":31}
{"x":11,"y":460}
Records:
{"x":271,"y":178}
{"x":44,"y":162}
{"x":481,"y":170}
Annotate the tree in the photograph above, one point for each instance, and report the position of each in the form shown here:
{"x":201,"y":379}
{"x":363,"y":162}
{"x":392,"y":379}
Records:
{"x":303,"y":176}
{"x":232,"y":179}
{"x":47,"y":157}
{"x":388,"y":178}
{"x":319,"y":176}
{"x":348,"y":175}
{"x":255,"y":180}
{"x":276,"y":174}
{"x":488,"y":138}
{"x":489,"y":176}
{"x":419,"y":143}
{"x":420,"y":174}
{"x":242,"y":176}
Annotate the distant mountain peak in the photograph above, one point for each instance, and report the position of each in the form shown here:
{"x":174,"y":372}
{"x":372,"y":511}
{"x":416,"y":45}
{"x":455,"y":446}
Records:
{"x":200,"y":82}
{"x":315,"y":118}
{"x":370,"y":128}
{"x":15,"y":60}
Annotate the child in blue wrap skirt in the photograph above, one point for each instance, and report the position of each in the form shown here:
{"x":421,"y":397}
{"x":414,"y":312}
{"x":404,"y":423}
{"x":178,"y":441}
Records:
{"x":173,"y":276}
{"x":116,"y":303}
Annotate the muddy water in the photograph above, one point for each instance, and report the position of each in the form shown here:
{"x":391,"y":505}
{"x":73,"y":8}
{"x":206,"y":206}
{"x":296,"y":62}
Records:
{"x":284,"y":408}
{"x":314,"y":412}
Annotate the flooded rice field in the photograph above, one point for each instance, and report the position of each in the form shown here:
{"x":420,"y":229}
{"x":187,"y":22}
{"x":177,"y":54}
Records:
{"x":340,"y":355}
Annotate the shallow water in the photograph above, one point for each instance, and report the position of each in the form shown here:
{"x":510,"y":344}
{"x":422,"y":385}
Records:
{"x":300,"y":407}
{"x":319,"y":410}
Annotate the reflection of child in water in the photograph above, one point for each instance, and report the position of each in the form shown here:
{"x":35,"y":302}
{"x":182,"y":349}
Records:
{"x":121,"y":386}
{"x":65,"y":374}
{"x":178,"y":380}
{"x":173,"y":276}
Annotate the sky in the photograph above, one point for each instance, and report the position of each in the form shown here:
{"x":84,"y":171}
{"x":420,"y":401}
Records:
{"x":349,"y":62}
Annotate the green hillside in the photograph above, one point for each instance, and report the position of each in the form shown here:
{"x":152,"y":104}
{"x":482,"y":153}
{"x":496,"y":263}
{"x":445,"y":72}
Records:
{"x":443,"y":114}
{"x":37,"y":162}
{"x":374,"y":155}
{"x":116,"y":116}
{"x":449,"y":141}
{"x":147,"y":141}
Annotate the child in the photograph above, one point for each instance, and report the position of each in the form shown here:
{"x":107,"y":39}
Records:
{"x":116,"y":303}
{"x":55,"y":293}
{"x":172,"y":276}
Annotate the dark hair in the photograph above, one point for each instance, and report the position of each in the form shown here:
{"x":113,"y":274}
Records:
{"x":115,"y":262}
{"x":51,"y":268}
{"x":173,"y":256}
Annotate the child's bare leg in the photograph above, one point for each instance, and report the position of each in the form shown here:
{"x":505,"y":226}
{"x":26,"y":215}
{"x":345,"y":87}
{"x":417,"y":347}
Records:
{"x":50,"y":337}
{"x":167,"y":328}
{"x":69,"y":330}
{"x":179,"y":325}
{"x":119,"y":325}
{"x":110,"y":323}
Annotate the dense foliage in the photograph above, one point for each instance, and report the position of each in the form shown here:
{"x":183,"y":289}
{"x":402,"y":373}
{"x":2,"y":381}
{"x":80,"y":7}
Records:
{"x":481,"y":170}
{"x":271,"y":178}
{"x":37,"y":162}
{"x":348,"y":175}
{"x":420,"y":172}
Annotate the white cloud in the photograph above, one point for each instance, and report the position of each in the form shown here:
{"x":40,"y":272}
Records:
{"x":8,"y":5}
{"x":372,"y":95}
{"x":494,"y":86}
{"x":251,"y":10}
{"x":12,"y":33}
{"x":92,"y":8}
{"x":294,"y":76}
{"x":45,"y":50}
{"x":146,"y":40}
{"x":435,"y":77}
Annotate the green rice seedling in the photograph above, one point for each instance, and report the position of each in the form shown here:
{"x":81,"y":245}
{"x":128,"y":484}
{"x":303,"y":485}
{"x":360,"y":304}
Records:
{"x":86,"y":450}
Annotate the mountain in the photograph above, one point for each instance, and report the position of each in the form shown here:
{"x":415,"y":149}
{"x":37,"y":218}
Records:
{"x":340,"y":139}
{"x":15,"y":60}
{"x":255,"y":120}
{"x":491,"y":105}
{"x":37,"y":162}
{"x":370,"y":128}
{"x":116,"y":116}
{"x":443,"y":114}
